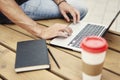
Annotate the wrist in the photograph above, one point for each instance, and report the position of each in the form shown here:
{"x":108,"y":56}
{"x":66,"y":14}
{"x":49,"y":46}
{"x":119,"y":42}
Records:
{"x":39,"y":31}
{"x":62,"y":1}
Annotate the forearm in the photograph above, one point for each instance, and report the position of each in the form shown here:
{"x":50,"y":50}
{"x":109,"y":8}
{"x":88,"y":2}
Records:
{"x":10,"y":9}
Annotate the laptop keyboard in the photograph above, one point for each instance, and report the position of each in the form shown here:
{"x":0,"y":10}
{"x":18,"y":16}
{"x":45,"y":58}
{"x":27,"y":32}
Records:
{"x":88,"y":30}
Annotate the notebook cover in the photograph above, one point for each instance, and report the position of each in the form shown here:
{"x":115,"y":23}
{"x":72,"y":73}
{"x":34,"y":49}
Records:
{"x":31,"y":55}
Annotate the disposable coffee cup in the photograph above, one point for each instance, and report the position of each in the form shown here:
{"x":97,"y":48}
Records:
{"x":93,"y":56}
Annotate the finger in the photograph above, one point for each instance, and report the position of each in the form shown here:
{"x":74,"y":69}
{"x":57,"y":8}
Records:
{"x":67,"y":30}
{"x":78,"y":15}
{"x":74,"y":17}
{"x":70,"y":17}
{"x":62,"y":34}
{"x":70,"y":29}
{"x":65,"y":16}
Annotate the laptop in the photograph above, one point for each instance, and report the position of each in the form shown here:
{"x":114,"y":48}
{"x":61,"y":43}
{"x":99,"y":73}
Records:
{"x":80,"y":31}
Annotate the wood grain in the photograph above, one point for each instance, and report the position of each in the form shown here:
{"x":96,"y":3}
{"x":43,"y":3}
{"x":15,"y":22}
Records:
{"x":64,"y":59}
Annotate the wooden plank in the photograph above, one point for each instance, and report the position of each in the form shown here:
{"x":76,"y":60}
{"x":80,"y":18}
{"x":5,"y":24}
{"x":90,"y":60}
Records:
{"x":112,"y":61}
{"x":71,"y":70}
{"x":114,"y":32}
{"x":11,"y":39}
{"x":113,"y":43}
{"x":14,"y":27}
{"x":52,"y":21}
{"x":7,"y":62}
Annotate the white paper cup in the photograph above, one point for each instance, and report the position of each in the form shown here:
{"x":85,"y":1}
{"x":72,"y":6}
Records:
{"x":93,"y":56}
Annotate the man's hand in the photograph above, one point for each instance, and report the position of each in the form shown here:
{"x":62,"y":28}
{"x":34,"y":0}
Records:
{"x":65,"y":8}
{"x":55,"y":31}
{"x":10,"y":9}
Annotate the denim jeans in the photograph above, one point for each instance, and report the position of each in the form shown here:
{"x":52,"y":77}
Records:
{"x":47,"y":9}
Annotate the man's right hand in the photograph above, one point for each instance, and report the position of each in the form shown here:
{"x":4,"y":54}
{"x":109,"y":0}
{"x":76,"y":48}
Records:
{"x":55,"y":30}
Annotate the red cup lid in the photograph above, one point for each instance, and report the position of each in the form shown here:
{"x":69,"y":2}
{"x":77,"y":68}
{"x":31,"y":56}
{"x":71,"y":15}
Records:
{"x":94,"y":44}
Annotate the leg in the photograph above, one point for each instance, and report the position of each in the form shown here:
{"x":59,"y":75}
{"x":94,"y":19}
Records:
{"x":47,"y":9}
{"x":41,"y":9}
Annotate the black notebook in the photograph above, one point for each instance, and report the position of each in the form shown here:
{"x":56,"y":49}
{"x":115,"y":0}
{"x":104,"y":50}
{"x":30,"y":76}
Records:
{"x":31,"y":55}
